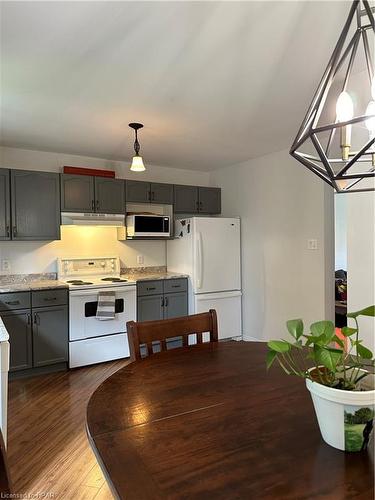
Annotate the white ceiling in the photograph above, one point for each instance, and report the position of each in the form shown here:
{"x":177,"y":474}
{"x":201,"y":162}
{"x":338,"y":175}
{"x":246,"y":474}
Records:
{"x":215,"y":83}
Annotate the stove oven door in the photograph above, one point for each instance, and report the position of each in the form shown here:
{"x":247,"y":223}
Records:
{"x":82,"y":317}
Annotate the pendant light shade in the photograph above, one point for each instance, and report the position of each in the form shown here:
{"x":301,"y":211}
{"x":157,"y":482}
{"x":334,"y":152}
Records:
{"x":137,"y":162}
{"x":336,"y":140}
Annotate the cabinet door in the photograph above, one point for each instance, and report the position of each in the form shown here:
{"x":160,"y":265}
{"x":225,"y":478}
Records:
{"x":109,"y":196}
{"x":175,"y":305}
{"x":50,"y":335}
{"x":4,"y":204}
{"x":77,"y":193}
{"x":186,"y":199}
{"x":209,"y":200}
{"x":35,"y":205}
{"x":18,"y":325}
{"x":161,"y":193}
{"x":137,"y":191}
{"x":150,"y":308}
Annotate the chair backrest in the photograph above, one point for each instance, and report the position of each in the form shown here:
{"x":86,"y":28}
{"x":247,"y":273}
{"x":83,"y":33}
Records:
{"x":147,"y":332}
{"x":5,"y":482}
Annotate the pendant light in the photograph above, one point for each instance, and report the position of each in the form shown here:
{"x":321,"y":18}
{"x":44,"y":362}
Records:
{"x":324,"y":143}
{"x":137,"y":162}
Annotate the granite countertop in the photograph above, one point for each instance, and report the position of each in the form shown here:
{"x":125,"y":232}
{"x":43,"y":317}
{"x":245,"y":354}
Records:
{"x":31,"y":285}
{"x":153,"y":276}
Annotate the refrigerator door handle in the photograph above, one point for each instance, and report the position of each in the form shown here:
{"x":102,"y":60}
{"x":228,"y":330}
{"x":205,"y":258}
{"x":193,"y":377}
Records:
{"x":199,"y":261}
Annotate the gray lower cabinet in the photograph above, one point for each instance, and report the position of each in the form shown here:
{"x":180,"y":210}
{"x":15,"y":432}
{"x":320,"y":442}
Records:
{"x":175,"y":305}
{"x":4,"y":204}
{"x":50,"y":335}
{"x":209,"y":200}
{"x":109,"y":195}
{"x":35,"y":205}
{"x":137,"y":192}
{"x":150,"y":308}
{"x":158,"y":300}
{"x":38,"y":336}
{"x":186,"y":200}
{"x":77,"y":193}
{"x":18,"y":325}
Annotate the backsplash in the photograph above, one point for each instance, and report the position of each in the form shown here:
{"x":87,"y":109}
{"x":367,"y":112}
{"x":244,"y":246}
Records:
{"x":32,"y":257}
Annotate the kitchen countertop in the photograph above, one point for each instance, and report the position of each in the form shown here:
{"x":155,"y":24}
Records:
{"x":31,"y":285}
{"x":153,"y":276}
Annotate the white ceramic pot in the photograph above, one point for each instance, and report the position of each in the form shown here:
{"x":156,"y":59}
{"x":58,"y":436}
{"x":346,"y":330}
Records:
{"x":345,"y":417}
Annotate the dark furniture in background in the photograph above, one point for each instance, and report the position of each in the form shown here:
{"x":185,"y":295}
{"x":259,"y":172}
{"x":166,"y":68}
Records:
{"x":208,"y":421}
{"x":340,"y":298}
{"x":148,"y":332}
{"x":162,"y":299}
{"x":37,"y":323}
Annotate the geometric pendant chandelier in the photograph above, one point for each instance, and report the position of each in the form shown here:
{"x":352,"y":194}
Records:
{"x":336,"y":139}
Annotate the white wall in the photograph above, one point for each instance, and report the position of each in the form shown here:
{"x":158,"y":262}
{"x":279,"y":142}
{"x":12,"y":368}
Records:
{"x":37,"y":257}
{"x":361,"y":259}
{"x":341,"y":257}
{"x":281,"y":205}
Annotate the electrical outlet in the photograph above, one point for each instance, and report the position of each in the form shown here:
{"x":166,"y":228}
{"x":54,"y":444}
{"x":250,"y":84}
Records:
{"x":312,"y":244}
{"x":140,"y":259}
{"x":5,"y":265}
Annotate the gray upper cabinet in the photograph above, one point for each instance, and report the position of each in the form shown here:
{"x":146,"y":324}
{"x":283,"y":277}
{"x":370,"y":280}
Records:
{"x":186,"y":200}
{"x":209,"y":200}
{"x":137,"y":192}
{"x":4,"y":204}
{"x":50,"y":335}
{"x":77,"y":193}
{"x":109,"y":195}
{"x":161,"y":193}
{"x":35,"y":205}
{"x":18,"y":325}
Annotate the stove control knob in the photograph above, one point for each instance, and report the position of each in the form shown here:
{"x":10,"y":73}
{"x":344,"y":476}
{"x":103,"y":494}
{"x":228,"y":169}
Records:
{"x":102,"y":264}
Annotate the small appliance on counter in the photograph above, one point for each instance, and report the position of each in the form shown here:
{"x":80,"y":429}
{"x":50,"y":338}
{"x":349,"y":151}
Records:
{"x":148,"y":226}
{"x":91,"y":340}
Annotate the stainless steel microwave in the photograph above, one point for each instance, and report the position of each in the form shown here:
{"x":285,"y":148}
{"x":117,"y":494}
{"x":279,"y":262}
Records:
{"x":147,"y":226}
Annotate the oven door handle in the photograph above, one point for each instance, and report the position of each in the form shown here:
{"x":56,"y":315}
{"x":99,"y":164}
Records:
{"x":95,"y":291}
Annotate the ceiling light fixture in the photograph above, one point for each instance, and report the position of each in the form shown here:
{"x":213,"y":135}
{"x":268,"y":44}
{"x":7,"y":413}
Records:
{"x":137,"y":162}
{"x":324,"y":143}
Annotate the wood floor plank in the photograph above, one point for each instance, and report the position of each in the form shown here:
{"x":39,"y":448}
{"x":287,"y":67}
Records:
{"x":47,"y":444}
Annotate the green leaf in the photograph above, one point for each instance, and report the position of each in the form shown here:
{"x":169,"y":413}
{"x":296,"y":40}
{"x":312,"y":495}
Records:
{"x":314,"y":339}
{"x":347,"y":331}
{"x":327,"y":357}
{"x":279,"y":345}
{"x":271,"y":355}
{"x":364,"y":352}
{"x":325,"y":328}
{"x":295,"y":327}
{"x":339,"y":341}
{"x":368,"y":311}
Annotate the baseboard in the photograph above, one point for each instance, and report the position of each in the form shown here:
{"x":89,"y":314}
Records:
{"x":248,"y":338}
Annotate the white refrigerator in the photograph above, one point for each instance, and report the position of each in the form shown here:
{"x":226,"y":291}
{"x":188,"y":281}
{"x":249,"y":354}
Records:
{"x":208,"y":250}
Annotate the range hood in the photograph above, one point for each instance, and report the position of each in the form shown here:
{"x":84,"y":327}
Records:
{"x":82,"y":219}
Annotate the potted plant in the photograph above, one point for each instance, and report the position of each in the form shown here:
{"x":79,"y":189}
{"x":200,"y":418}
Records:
{"x":338,"y":370}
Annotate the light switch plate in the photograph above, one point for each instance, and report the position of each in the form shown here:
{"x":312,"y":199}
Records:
{"x":5,"y":265}
{"x":140,"y":259}
{"x":312,"y":244}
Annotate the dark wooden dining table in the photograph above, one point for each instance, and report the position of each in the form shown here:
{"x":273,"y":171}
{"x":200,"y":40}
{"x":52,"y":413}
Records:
{"x":209,"y":422}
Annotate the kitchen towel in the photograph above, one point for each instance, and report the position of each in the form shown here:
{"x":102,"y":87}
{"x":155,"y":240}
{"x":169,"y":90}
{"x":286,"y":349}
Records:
{"x":106,"y":306}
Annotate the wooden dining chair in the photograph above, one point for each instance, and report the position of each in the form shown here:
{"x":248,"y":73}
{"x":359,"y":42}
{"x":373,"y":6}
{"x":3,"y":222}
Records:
{"x":147,"y":332}
{"x":5,"y":482}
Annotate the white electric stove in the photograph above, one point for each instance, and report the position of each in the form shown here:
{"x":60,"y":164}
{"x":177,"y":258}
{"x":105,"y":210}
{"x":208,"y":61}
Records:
{"x":90,"y":339}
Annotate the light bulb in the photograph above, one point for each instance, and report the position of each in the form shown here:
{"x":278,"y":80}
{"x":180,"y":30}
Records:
{"x":370,"y":122}
{"x":344,"y":107}
{"x":137,"y":164}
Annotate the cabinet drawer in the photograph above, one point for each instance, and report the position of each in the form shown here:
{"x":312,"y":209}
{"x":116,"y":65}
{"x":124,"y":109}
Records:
{"x":175,"y":285}
{"x":14,"y":300}
{"x":149,"y":287}
{"x":43,"y":298}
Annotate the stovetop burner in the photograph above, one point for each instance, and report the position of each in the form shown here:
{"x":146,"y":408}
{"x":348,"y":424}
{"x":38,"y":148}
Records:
{"x":79,"y":282}
{"x":114,"y":280}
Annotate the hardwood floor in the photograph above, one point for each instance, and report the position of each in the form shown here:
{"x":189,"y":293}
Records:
{"x":48,"y":449}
